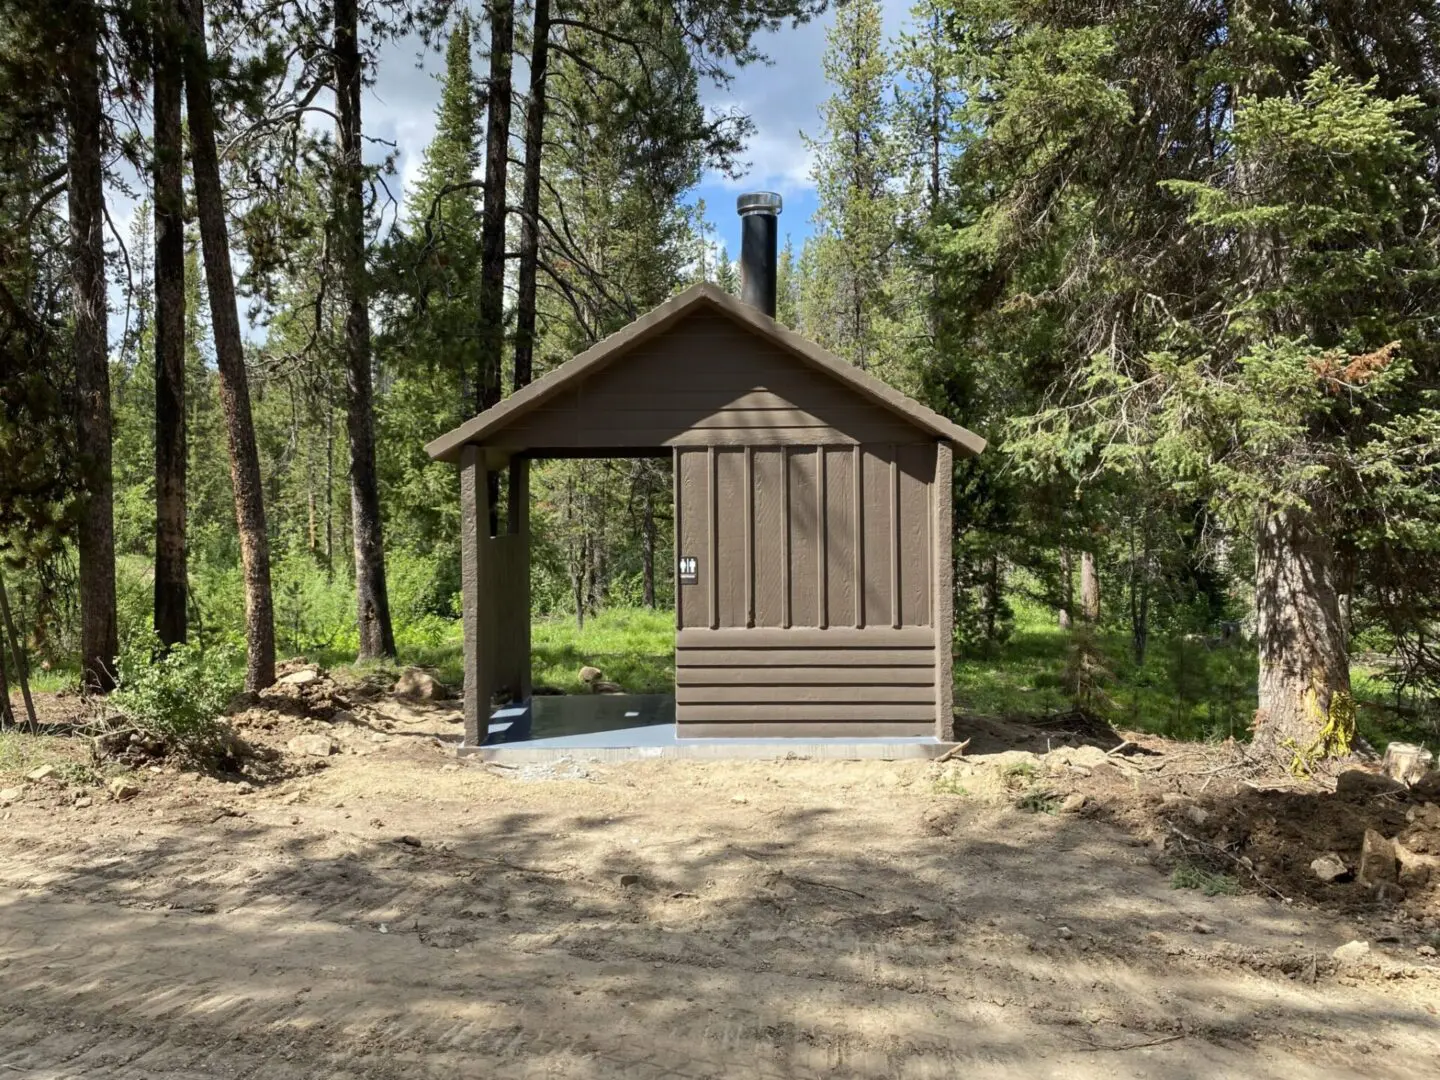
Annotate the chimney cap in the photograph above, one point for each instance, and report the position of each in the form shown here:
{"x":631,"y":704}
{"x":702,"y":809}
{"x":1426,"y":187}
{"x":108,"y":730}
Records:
{"x":759,"y":202}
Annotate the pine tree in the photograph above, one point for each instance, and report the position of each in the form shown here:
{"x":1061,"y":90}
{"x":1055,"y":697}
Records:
{"x":438,"y":262}
{"x":230,"y":355}
{"x":855,"y":164}
{"x":99,"y":638}
{"x":787,"y":287}
{"x":372,"y":598}
{"x":171,"y":577}
{"x":1157,"y":233}
{"x":727,"y":273}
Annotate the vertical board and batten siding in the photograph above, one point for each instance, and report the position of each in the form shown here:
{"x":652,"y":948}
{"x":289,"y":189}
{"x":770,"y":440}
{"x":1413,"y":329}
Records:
{"x":813,"y":607}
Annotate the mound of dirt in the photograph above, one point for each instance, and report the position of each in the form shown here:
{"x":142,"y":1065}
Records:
{"x":303,"y":689}
{"x":1215,"y":807}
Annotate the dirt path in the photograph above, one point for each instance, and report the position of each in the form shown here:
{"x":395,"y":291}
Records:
{"x":658,"y":919}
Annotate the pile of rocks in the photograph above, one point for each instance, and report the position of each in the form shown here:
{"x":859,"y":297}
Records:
{"x":303,"y":688}
{"x":1393,"y":861}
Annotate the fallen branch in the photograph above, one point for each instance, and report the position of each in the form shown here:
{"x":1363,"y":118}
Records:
{"x":1094,"y":1046}
{"x":958,"y":750}
{"x":513,"y":866}
{"x":1126,"y":745}
{"x":822,"y":884}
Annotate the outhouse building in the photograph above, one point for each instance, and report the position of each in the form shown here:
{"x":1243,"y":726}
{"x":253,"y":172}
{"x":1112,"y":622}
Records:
{"x":813,"y":527}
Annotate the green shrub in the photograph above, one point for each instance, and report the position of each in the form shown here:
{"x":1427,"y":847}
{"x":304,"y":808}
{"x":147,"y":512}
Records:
{"x":1038,"y":801}
{"x":313,"y":611}
{"x":176,"y":695}
{"x":949,"y":784}
{"x":1190,"y":876}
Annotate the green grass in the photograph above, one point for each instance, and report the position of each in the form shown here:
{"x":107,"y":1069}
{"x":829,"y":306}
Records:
{"x":1190,"y":876}
{"x":634,"y":647}
{"x":949,"y":785}
{"x":19,"y":752}
{"x":1382,"y":717}
{"x":1186,"y":688}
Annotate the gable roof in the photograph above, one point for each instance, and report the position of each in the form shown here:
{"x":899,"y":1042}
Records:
{"x":656,"y":322}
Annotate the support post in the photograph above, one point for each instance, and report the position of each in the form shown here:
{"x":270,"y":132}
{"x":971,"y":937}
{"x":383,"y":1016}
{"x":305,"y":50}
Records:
{"x":520,"y":592}
{"x":474,"y":545}
{"x":943,"y":603}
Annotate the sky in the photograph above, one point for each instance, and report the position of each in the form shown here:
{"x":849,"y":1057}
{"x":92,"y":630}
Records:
{"x":783,"y":98}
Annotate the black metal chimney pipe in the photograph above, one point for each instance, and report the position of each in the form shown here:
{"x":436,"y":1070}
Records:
{"x":759,"y":226}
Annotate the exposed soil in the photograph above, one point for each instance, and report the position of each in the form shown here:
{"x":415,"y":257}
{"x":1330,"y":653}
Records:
{"x":388,"y":911}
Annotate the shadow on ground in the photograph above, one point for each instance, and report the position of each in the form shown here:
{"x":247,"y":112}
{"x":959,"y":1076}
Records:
{"x":660,"y":919}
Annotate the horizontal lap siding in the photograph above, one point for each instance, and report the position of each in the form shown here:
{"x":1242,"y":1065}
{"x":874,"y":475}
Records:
{"x":868,"y":681}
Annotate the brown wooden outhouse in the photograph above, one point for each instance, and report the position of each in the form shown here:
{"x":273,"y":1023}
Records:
{"x":812,"y":524}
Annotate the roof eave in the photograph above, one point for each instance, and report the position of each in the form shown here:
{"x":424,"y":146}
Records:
{"x":447,"y":447}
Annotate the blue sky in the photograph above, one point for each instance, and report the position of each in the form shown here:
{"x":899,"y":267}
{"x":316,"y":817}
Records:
{"x":783,"y":98}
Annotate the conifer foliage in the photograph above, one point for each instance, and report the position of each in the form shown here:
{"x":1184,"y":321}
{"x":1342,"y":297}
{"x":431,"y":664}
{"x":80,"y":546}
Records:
{"x":1177,"y":262}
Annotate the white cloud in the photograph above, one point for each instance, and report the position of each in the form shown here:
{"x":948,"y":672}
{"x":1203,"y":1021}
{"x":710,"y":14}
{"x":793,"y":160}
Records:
{"x":783,"y":99}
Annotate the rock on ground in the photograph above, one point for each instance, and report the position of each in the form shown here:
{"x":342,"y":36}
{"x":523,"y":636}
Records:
{"x":1358,"y":785}
{"x":417,"y":684}
{"x":1378,"y":862}
{"x":1330,"y":867}
{"x":1352,"y":951}
{"x":315,"y":745}
{"x":122,"y":789}
{"x":1407,"y":762}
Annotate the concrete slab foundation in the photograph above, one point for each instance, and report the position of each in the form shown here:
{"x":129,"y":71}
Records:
{"x":625,"y":727}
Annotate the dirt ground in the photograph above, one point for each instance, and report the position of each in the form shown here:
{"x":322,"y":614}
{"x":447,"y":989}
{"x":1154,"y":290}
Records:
{"x":389,"y":911}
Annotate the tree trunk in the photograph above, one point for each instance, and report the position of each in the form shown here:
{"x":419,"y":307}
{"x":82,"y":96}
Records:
{"x":1140,"y":604}
{"x":1067,"y":590}
{"x":994,"y":580}
{"x":492,"y":222}
{"x":530,"y":197}
{"x":312,"y":524}
{"x":647,"y":542}
{"x":1303,"y":661}
{"x":329,"y":491}
{"x":170,"y":449}
{"x":372,"y":601}
{"x":1089,"y":589}
{"x":229,"y":357}
{"x":7,"y":711}
{"x":17,"y":650}
{"x":99,"y":639}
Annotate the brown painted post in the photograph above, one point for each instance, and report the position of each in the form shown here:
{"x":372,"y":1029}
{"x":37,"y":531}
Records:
{"x":712,"y":473}
{"x":675,"y":486}
{"x":749,"y":536}
{"x":857,"y":475}
{"x":942,"y":492}
{"x":520,"y":529}
{"x":895,"y":536}
{"x":785,"y":537}
{"x":822,"y":554}
{"x":474,"y":540}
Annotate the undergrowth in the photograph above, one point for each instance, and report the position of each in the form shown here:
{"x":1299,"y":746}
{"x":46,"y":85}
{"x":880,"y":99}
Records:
{"x":1190,"y":876}
{"x":177,"y":695}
